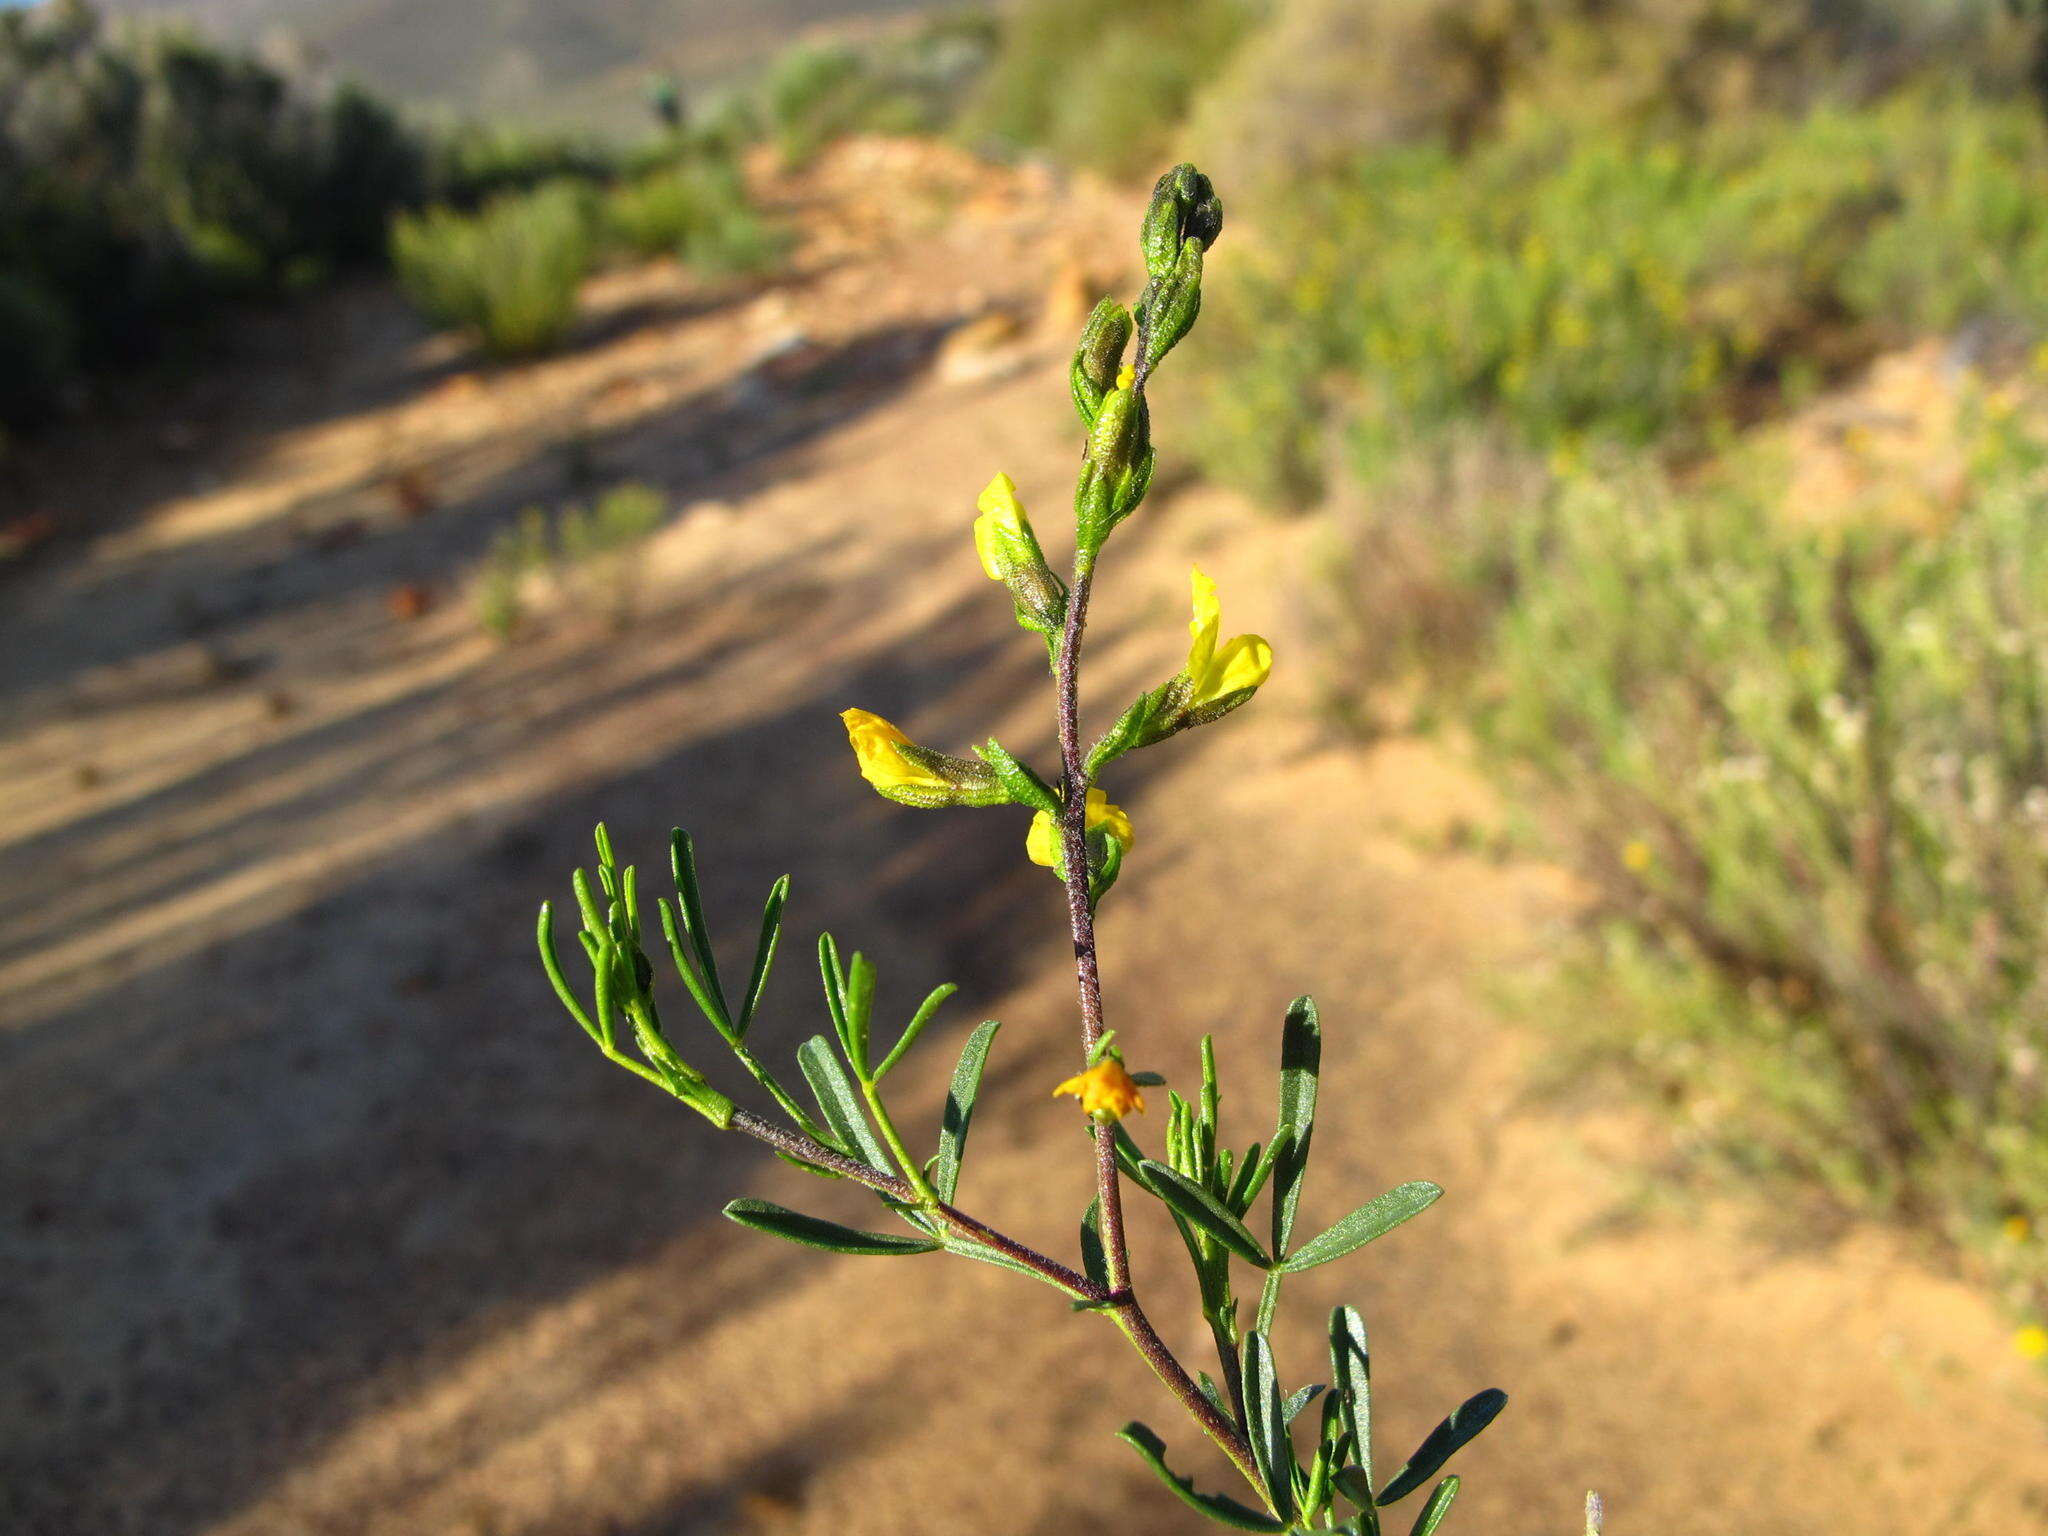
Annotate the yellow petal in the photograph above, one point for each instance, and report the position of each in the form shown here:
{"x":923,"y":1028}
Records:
{"x":1208,"y":620}
{"x":1042,"y":842}
{"x":1104,"y":817}
{"x":986,"y":547}
{"x":1243,"y":661}
{"x":1002,"y":521}
{"x":875,"y":742}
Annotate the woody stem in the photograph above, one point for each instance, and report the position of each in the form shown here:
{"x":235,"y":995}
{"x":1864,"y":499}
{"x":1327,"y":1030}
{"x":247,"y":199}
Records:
{"x":1124,"y":1309}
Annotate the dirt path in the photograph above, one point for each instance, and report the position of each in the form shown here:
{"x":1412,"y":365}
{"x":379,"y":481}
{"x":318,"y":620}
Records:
{"x":319,"y":1218}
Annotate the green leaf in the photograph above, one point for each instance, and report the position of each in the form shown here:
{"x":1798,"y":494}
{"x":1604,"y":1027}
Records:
{"x":1465,"y":1422}
{"x":544,"y":936}
{"x":860,"y":1011}
{"x":816,"y":1232}
{"x":1433,"y":1512}
{"x":1094,"y":1258}
{"x":682,"y":860}
{"x":1224,"y":1511}
{"x":925,"y":1011}
{"x":834,"y":977}
{"x":1266,"y":1423}
{"x":1252,"y":1174}
{"x":1301,"y":1400}
{"x":1024,"y":785}
{"x":1373,"y":1219}
{"x":1351,"y":1381}
{"x":764,"y":951}
{"x":967,"y":1248}
{"x":960,"y":1109}
{"x":1301,"y":1057}
{"x":1187,"y":1199}
{"x":840,"y":1104}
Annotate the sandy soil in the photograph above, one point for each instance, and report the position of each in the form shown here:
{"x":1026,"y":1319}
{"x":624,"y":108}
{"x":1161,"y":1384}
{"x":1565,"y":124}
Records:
{"x":319,"y":1217}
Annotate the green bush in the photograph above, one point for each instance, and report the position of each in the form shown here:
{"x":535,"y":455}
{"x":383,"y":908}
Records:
{"x":1103,"y":83}
{"x":698,"y":211}
{"x":508,"y":273}
{"x":1586,"y":286}
{"x":816,"y":92}
{"x":145,"y":177}
{"x":591,"y":554}
{"x":1809,"y":770}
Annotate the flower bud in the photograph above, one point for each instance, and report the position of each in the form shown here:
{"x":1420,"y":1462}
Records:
{"x":902,"y":771}
{"x":1098,"y":357}
{"x":1010,"y":554}
{"x":1184,"y":206}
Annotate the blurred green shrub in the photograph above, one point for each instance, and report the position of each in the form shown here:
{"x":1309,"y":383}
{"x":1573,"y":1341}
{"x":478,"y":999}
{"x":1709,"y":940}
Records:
{"x":815,"y":92}
{"x":1584,"y":286}
{"x":590,"y":554}
{"x":144,"y":177}
{"x":471,"y":163}
{"x":508,"y":273}
{"x":1809,"y":769}
{"x":1102,"y":83}
{"x":697,"y":210}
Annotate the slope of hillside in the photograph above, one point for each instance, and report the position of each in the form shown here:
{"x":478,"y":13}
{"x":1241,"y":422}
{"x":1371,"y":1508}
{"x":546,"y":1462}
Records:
{"x":586,"y":63}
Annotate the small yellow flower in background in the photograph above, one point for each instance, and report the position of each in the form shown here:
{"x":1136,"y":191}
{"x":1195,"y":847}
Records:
{"x":1636,"y":856}
{"x":1106,"y":1090}
{"x":1042,"y":842}
{"x":877,"y":744}
{"x":1002,"y":523}
{"x":2016,"y":1228}
{"x":1214,"y":671}
{"x":2031,"y":1341}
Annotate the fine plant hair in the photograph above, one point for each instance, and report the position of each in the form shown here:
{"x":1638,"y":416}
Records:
{"x":848,"y":1130}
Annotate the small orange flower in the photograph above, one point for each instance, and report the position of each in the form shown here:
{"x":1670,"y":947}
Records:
{"x":1106,"y":1090}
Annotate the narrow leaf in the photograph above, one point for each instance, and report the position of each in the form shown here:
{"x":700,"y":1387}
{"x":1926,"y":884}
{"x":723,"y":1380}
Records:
{"x":1433,"y":1512}
{"x":1224,"y":1511}
{"x":764,"y":951}
{"x":860,"y":1011}
{"x":925,"y":1012}
{"x":706,"y":1004}
{"x":1094,"y":1258}
{"x":1188,"y":1199}
{"x":1023,"y":785}
{"x":1465,"y":1422}
{"x":1373,"y":1219}
{"x":1301,"y":1400}
{"x":1301,"y":1057}
{"x":960,"y":1109}
{"x":544,"y":936}
{"x":834,"y":978}
{"x":839,"y":1103}
{"x":816,"y":1232}
{"x":1266,"y":1424}
{"x":682,"y":859}
{"x":1351,"y":1383}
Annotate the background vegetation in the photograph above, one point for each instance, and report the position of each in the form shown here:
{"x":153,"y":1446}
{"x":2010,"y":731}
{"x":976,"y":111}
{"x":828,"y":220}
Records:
{"x":1526,"y":285}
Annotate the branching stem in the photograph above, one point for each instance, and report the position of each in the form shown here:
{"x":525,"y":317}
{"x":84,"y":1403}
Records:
{"x":1127,"y":1314}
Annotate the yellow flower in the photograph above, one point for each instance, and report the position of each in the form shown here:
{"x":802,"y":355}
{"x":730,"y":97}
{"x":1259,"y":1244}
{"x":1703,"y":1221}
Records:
{"x":1126,"y":376}
{"x":1105,"y":1090}
{"x":1002,"y":523}
{"x":2031,"y":1341}
{"x":1215,"y":671}
{"x":878,"y":745}
{"x":2016,"y":1228}
{"x":1636,"y":856}
{"x":1042,"y":842}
